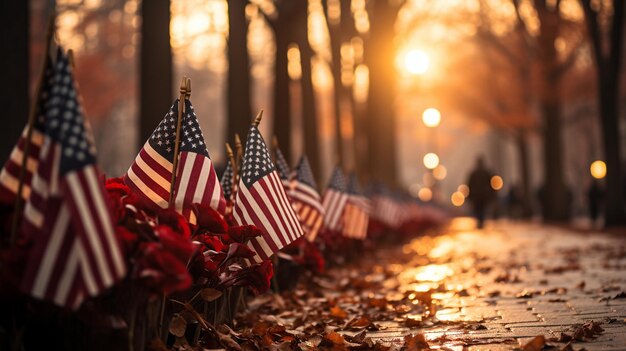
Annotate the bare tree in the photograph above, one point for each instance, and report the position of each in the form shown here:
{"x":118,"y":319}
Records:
{"x":155,"y":65}
{"x":14,"y":16}
{"x":239,"y":110}
{"x":380,"y":126}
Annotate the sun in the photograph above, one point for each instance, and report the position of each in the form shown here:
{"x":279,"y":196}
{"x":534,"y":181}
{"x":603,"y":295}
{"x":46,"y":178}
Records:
{"x":416,"y":61}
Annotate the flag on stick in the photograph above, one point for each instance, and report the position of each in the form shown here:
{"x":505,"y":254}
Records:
{"x":334,"y":200}
{"x":196,"y":181}
{"x":261,"y":200}
{"x":10,"y":173}
{"x":356,"y":212}
{"x":306,"y":200}
{"x":284,"y":172}
{"x":75,"y":251}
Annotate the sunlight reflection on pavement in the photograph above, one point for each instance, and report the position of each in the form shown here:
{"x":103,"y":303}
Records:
{"x":514,"y":281}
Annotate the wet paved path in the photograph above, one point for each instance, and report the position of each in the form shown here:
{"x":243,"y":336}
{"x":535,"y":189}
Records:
{"x":512,"y":282}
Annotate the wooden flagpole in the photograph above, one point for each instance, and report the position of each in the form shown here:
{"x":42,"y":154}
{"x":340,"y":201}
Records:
{"x":184,"y":94}
{"x":238,"y":151}
{"x":258,"y":118}
{"x":29,"y":129}
{"x":233,"y":165}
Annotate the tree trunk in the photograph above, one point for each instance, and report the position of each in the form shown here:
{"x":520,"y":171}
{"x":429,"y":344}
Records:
{"x":608,"y":68}
{"x":380,"y":55}
{"x":239,"y":110}
{"x":14,"y":62}
{"x":554,"y":193}
{"x":609,"y":115}
{"x":309,"y":111}
{"x":522,"y":149}
{"x":282,"y":117}
{"x":155,"y":65}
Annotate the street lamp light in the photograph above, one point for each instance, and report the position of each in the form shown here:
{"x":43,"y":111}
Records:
{"x":431,"y":117}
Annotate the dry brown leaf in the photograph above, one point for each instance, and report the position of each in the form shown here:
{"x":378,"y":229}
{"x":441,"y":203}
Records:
{"x":535,"y":344}
{"x":178,"y":325}
{"x":210,"y":294}
{"x":416,"y":342}
{"x":338,"y":312}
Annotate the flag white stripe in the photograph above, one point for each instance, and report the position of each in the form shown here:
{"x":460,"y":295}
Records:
{"x":87,"y":274}
{"x":90,"y":229}
{"x":146,"y":190}
{"x":105,"y":219}
{"x":205,"y":171}
{"x":289,"y":212}
{"x":51,"y":253}
{"x":183,"y":182}
{"x":69,"y":274}
{"x":158,"y":158}
{"x":243,"y":191}
{"x":156,"y":177}
{"x":286,"y":212}
{"x":266,"y":221}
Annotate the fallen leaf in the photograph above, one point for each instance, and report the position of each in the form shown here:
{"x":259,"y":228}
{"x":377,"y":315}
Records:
{"x":338,"y":312}
{"x":415,"y":342}
{"x":535,"y":344}
{"x":178,"y":325}
{"x":210,"y":294}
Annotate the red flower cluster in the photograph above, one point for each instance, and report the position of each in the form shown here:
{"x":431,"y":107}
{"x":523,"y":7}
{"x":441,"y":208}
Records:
{"x":167,"y":254}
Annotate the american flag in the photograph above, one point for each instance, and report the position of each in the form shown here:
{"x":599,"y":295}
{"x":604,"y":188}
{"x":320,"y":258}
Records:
{"x":75,"y":251}
{"x":261,"y":201}
{"x":150,"y":176}
{"x":306,"y":200}
{"x":227,"y":181}
{"x":284,"y":172}
{"x":10,"y":173}
{"x":386,"y":207}
{"x":334,"y":200}
{"x":356,"y":212}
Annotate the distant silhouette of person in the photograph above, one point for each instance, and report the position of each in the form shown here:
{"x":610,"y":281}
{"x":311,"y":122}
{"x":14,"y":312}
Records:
{"x":481,"y":193}
{"x":595,"y":199}
{"x":515,"y":202}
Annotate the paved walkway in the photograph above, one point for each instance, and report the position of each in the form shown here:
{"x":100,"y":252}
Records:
{"x":513,"y":282}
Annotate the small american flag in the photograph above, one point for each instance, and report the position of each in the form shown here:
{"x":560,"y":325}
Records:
{"x":284,"y":172}
{"x":306,"y":200}
{"x":10,"y":173}
{"x":386,"y":208}
{"x":150,"y":176}
{"x":356,"y":212}
{"x":261,"y":201}
{"x":227,"y":182}
{"x":334,"y":200}
{"x":75,"y":251}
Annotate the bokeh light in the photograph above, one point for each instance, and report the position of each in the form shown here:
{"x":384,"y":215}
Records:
{"x":496,"y":182}
{"x":431,"y":117}
{"x":431,"y":160}
{"x":425,"y":194}
{"x":463,"y":189}
{"x":598,"y":169}
{"x":440,"y":172}
{"x":416,"y":61}
{"x":457,"y":198}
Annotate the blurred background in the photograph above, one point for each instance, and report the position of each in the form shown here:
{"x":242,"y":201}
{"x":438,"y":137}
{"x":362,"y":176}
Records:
{"x":409,"y":93}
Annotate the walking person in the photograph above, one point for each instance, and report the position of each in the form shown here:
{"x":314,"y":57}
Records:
{"x":481,"y":193}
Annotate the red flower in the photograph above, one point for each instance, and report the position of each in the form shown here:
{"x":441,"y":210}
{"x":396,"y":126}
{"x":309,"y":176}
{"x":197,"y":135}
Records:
{"x":209,"y":220}
{"x":127,"y":239}
{"x":237,"y":250}
{"x":256,"y":277}
{"x":174,"y":220}
{"x":175,"y":243}
{"x":242,"y":234}
{"x":160,"y":270}
{"x":212,"y":242}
